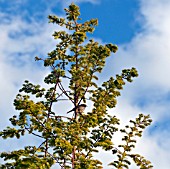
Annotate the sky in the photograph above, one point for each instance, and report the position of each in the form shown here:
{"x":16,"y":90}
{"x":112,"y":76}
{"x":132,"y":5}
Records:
{"x":140,"y":28}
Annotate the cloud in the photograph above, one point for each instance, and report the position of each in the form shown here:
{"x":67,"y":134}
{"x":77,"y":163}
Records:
{"x":20,"y":42}
{"x":155,"y":13}
{"x":149,"y":52}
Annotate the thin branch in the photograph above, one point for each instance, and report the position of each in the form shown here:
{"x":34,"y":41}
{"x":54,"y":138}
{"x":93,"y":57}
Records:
{"x":67,"y":77}
{"x":61,"y":95}
{"x":41,"y":144}
{"x":33,"y":133}
{"x":65,"y":92}
{"x":62,"y":99}
{"x":62,"y":117}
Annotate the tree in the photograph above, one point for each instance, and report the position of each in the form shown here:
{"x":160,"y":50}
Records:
{"x":70,"y":140}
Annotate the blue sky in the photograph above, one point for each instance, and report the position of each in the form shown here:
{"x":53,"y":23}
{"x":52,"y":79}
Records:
{"x":116,"y":23}
{"x":140,"y":28}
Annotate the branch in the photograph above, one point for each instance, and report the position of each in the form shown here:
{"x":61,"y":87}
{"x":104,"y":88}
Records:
{"x":41,"y":144}
{"x":33,"y":133}
{"x":65,"y":92}
{"x":61,"y":95}
{"x":62,"y":117}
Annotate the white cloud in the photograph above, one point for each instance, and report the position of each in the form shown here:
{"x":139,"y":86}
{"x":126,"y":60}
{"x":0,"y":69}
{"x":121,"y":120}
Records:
{"x":155,"y":13}
{"x":20,"y":43}
{"x":149,"y":52}
{"x":157,"y":153}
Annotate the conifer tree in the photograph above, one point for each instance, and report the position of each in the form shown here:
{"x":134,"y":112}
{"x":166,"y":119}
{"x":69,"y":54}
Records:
{"x":70,"y":139}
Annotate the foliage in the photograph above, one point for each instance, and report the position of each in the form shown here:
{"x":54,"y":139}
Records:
{"x":71,"y":141}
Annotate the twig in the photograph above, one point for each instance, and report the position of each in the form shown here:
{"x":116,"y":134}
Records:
{"x":33,"y":133}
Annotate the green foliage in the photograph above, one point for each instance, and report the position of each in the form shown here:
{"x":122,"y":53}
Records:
{"x":131,"y":132}
{"x":72,"y":141}
{"x":26,"y":159}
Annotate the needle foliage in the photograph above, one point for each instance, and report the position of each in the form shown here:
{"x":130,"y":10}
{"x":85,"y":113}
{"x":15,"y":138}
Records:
{"x":70,"y":141}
